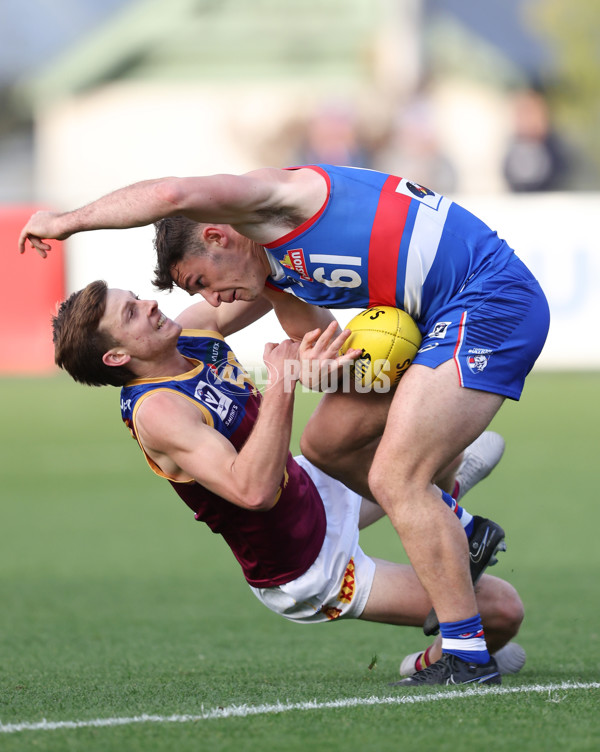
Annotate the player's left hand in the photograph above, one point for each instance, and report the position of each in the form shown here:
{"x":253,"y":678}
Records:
{"x":40,"y":226}
{"x":320,"y":361}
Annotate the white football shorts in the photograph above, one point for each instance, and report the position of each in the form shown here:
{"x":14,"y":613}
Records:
{"x":338,"y":583}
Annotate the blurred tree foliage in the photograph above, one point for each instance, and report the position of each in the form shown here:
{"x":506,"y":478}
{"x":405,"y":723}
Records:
{"x":572,"y":28}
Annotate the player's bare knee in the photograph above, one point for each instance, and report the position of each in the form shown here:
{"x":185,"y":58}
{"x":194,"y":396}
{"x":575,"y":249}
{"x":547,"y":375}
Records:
{"x":378,"y":482}
{"x":322,"y":453}
{"x":389,"y":485}
{"x":514,"y":611}
{"x":509,"y":610}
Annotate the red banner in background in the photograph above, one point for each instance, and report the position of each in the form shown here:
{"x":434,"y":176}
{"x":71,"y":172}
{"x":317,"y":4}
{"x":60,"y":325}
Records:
{"x":30,"y":288}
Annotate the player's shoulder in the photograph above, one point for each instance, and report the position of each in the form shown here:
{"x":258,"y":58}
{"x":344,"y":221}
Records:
{"x":299,"y":175}
{"x":199,"y":316}
{"x":163,"y":412}
{"x":159,"y":407}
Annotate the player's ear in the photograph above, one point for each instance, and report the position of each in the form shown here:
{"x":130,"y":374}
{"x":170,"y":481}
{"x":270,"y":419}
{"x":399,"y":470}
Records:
{"x":214,"y":235}
{"x":116,"y":357}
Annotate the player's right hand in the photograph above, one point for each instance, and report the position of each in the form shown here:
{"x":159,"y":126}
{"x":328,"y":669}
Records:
{"x":282,"y":362}
{"x":320,"y":358}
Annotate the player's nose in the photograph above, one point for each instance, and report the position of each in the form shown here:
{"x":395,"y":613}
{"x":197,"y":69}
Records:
{"x":211,"y":297}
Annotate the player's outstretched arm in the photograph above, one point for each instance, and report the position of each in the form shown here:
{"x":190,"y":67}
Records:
{"x":255,"y":203}
{"x":137,"y":205}
{"x":133,"y":206}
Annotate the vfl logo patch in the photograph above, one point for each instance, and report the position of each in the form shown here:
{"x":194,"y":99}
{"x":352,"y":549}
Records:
{"x":294,"y":259}
{"x":477,"y":359}
{"x":440,"y":329}
{"x":225,"y":408}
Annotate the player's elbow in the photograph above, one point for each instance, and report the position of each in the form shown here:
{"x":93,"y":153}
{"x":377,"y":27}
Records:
{"x":259,"y":502}
{"x":170,"y":192}
{"x":261,"y":496}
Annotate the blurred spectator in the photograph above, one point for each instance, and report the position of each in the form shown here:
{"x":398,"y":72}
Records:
{"x":412,"y":147}
{"x":333,"y":136}
{"x":535,"y":159}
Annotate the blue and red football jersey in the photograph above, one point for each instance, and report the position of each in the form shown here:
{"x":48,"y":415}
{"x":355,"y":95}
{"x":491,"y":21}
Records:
{"x":383,"y":240}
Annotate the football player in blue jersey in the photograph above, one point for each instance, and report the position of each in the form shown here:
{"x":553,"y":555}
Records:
{"x":345,"y":237}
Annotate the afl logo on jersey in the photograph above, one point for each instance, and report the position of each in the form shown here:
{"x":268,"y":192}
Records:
{"x":425,"y":196}
{"x":418,"y":190}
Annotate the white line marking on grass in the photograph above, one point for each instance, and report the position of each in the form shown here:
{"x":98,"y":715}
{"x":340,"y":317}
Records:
{"x":243,"y":711}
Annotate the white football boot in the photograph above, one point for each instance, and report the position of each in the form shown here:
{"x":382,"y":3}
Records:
{"x":479,"y":459}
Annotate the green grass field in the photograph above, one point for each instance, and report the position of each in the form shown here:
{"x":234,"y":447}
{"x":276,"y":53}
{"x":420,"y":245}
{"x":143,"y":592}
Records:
{"x":117,"y":605}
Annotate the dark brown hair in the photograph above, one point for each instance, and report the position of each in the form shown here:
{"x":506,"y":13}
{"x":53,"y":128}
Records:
{"x":78,"y":343}
{"x":175,"y":238}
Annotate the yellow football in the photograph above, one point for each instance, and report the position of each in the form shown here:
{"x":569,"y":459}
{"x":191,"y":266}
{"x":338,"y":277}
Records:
{"x":389,"y":340}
